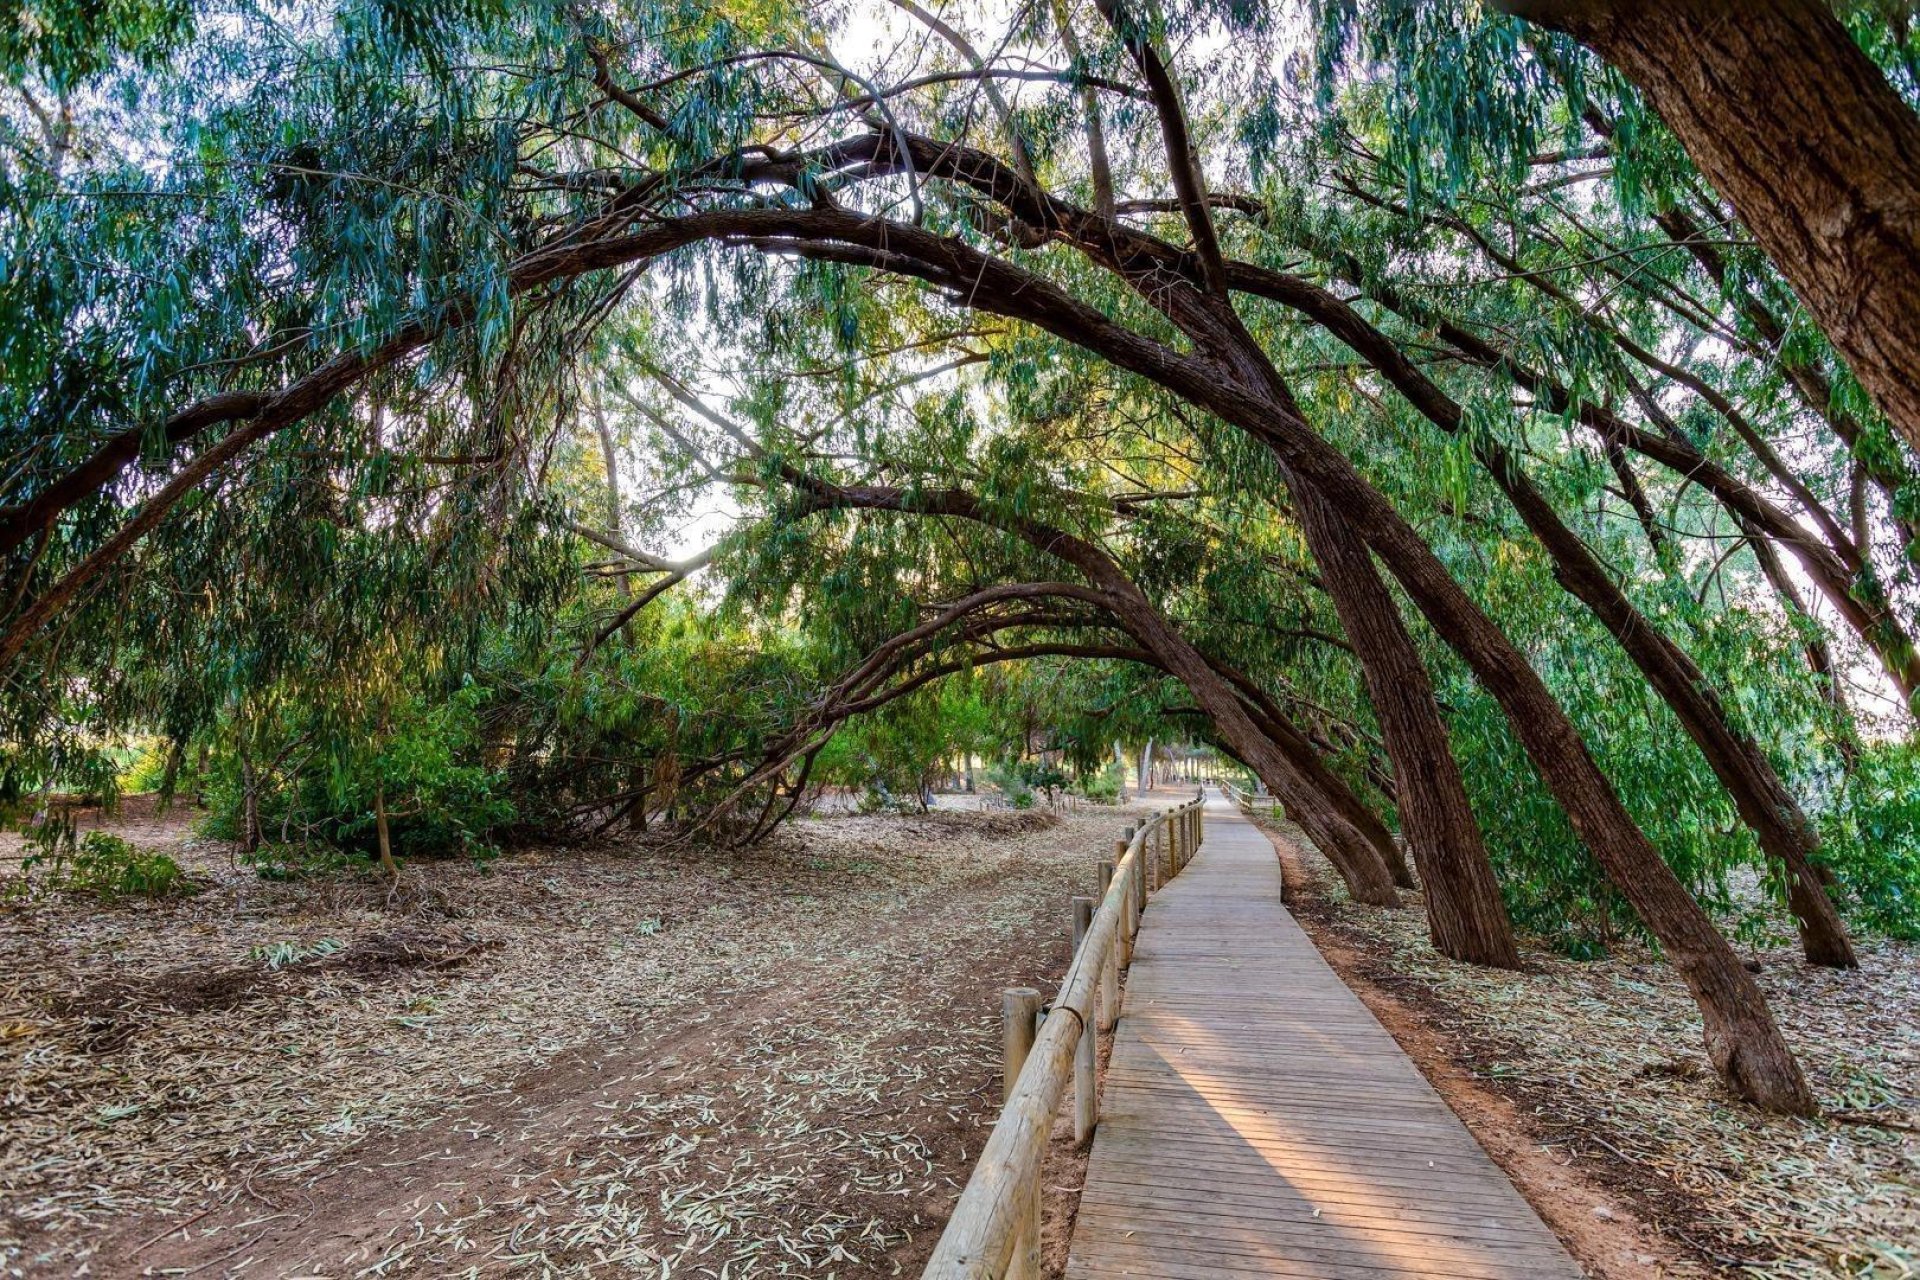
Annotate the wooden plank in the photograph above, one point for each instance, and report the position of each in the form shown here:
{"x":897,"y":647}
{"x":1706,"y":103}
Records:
{"x":1257,"y":1120}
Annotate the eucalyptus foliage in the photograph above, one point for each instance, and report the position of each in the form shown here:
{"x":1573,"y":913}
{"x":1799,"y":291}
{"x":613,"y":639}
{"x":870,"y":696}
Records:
{"x":208,"y":201}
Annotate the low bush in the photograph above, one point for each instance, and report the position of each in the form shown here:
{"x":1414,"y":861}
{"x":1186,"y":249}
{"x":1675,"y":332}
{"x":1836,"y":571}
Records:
{"x":1872,"y":840}
{"x":99,"y":865}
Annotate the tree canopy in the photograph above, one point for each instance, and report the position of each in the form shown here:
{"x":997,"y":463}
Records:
{"x":489,"y":414}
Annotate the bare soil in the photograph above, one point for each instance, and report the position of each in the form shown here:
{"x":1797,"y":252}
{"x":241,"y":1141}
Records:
{"x":1588,"y":1084}
{"x":631,"y":1060}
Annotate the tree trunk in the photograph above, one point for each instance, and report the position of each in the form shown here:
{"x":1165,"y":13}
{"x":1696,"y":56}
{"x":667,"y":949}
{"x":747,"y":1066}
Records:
{"x":387,"y":864}
{"x":249,"y":801}
{"x":1806,"y":139}
{"x":1465,"y":913}
{"x":1762,"y":799}
{"x":1743,"y":1042}
{"x":1307,"y":758}
{"x":1352,"y":855}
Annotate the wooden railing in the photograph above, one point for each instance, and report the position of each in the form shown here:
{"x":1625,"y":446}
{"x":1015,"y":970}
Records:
{"x":994,"y":1232}
{"x":1245,"y":800}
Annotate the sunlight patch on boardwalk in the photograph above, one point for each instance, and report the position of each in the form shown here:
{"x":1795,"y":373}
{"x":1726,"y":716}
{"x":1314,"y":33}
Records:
{"x":1258,"y":1120}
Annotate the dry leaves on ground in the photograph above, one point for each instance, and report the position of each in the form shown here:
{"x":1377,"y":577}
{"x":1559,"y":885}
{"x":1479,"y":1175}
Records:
{"x":640,"y":1061}
{"x":1608,"y":1057}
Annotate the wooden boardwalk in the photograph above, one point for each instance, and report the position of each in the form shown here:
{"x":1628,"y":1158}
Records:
{"x":1257,"y":1120}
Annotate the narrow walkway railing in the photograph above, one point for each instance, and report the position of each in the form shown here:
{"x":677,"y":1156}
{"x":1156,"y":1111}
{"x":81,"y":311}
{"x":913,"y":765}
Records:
{"x":995,"y":1228}
{"x":1245,"y":800}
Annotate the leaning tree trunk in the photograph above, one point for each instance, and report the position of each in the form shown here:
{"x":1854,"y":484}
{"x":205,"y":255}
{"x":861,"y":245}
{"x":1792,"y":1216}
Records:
{"x":1352,"y":854}
{"x":1743,"y":1042}
{"x":1764,"y":803}
{"x":1816,"y":152}
{"x":1763,"y":800}
{"x":1465,"y":914}
{"x":1307,"y":758}
{"x":1742,"y":1039}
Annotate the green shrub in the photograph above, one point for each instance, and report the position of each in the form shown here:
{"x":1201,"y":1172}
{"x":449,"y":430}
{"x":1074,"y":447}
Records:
{"x":1040,"y":775}
{"x":1007,"y":779}
{"x":1102,"y":785}
{"x":315,"y":786}
{"x":101,"y":865}
{"x":1872,"y":840}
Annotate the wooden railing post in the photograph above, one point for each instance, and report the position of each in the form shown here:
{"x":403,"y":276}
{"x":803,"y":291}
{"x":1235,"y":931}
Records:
{"x":1127,"y":921}
{"x":1019,"y":1011}
{"x":1139,"y":881}
{"x":1019,"y":1006}
{"x":1110,"y":971}
{"x":1086,"y":1105}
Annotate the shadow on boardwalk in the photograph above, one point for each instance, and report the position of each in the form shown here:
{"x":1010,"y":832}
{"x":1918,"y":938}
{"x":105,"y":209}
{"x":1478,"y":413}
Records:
{"x":1258,"y":1120}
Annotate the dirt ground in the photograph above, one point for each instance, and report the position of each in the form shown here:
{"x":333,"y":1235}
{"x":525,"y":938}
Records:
{"x":635,"y":1060}
{"x":1588,"y":1083}
{"x":618,"y":1061}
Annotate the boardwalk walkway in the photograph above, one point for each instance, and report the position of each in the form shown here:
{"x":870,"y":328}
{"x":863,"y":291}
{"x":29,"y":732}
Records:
{"x":1257,"y":1120}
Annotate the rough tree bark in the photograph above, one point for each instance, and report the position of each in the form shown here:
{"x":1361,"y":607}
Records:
{"x":1465,"y":914}
{"x":1763,"y":800}
{"x":1802,"y":134}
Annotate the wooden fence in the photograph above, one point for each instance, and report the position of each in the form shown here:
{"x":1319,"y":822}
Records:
{"x":994,"y":1233}
{"x":1246,"y":800}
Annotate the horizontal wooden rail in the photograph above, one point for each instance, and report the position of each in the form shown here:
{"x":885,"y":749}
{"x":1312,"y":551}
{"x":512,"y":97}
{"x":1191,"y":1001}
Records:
{"x":1244,"y":799}
{"x":994,"y":1231}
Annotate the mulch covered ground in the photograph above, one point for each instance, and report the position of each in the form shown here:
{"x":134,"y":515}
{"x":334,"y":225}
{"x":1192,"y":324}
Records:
{"x":621,"y":1061}
{"x":1603,"y":1065}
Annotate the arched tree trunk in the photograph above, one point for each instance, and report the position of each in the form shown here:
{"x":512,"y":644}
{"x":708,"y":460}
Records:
{"x":1763,"y":801}
{"x":1742,"y":1039}
{"x":1804,"y":136}
{"x":1358,"y":862}
{"x":1307,"y":758}
{"x":1465,"y":914}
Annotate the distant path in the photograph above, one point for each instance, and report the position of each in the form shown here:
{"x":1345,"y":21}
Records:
{"x":1257,"y":1120}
